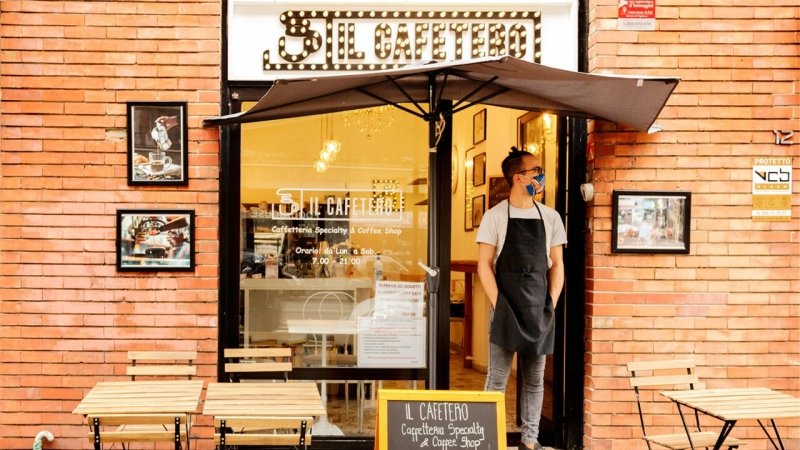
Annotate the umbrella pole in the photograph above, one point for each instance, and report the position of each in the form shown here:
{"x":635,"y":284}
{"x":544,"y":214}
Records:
{"x":433,"y":234}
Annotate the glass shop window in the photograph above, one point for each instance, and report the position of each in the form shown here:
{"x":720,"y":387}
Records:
{"x":333,"y":223}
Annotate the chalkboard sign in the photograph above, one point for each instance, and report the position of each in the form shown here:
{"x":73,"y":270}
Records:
{"x":440,"y":420}
{"x":498,"y":191}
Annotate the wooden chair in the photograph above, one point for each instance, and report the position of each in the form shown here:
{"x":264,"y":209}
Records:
{"x":161,"y":364}
{"x":123,"y":428}
{"x":674,"y":374}
{"x":249,"y":360}
{"x":262,"y":431}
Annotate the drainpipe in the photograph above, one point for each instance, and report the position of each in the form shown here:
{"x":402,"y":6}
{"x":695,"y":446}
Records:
{"x":37,"y":441}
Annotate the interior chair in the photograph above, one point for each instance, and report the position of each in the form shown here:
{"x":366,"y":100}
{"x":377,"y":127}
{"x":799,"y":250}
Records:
{"x":161,"y":364}
{"x":125,"y":428}
{"x":337,"y":306}
{"x":671,"y":374}
{"x":457,"y":313}
{"x":281,"y":432}
{"x":250,"y":360}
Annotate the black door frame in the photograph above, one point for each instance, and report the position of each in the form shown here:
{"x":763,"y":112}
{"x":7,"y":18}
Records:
{"x":568,"y":364}
{"x":569,"y":370}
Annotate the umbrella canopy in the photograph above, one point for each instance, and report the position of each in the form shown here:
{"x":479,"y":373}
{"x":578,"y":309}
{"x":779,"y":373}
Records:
{"x":505,"y":81}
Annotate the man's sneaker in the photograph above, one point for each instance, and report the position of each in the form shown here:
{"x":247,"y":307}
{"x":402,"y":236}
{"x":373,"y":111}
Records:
{"x":536,"y":446}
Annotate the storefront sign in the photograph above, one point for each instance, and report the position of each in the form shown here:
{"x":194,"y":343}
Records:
{"x":268,"y":40}
{"x":339,"y":205}
{"x":772,"y":189}
{"x":374,"y":39}
{"x":637,"y":15}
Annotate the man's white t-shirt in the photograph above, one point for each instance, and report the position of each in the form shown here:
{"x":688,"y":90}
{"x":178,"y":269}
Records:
{"x":493,"y":226}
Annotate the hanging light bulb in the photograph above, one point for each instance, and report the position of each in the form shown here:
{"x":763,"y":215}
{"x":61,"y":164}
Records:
{"x":330,"y":146}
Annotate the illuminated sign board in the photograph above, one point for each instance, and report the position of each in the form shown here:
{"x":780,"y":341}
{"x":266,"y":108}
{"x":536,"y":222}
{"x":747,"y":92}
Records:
{"x":369,"y":40}
{"x":267,"y":40}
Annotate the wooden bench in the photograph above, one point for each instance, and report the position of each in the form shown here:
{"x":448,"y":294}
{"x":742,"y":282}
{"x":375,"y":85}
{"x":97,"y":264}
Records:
{"x":677,"y":374}
{"x":122,"y":428}
{"x":161,"y":364}
{"x":252,"y":360}
{"x":262,"y":431}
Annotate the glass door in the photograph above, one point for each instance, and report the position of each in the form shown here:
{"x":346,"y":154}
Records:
{"x":333,"y":220}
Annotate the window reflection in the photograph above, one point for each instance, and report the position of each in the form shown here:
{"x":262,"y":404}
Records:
{"x":316,"y":244}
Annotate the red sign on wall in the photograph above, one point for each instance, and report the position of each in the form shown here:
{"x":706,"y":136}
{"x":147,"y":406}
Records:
{"x":636,"y":15}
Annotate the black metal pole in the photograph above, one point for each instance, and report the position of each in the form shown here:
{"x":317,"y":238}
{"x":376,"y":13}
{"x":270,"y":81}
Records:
{"x":433,"y":235}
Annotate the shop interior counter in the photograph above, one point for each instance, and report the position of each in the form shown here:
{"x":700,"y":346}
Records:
{"x":270,"y":304}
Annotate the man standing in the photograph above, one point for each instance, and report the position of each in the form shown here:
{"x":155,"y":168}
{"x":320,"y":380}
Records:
{"x":521,"y":268}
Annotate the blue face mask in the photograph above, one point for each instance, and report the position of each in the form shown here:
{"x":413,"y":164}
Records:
{"x":539,"y":179}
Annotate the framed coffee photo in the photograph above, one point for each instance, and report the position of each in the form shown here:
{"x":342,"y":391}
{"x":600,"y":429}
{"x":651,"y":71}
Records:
{"x":650,"y":221}
{"x":157,"y":143}
{"x":155,"y":240}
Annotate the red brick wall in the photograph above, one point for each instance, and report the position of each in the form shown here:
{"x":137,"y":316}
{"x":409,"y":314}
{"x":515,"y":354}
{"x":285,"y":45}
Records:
{"x":67,"y":317}
{"x":68,"y":67}
{"x":733,"y":303}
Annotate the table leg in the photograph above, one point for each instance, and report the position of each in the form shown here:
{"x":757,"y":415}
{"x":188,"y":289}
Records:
{"x":723,"y":434}
{"x":777,"y":445}
{"x":685,"y":427}
{"x":188,"y":427}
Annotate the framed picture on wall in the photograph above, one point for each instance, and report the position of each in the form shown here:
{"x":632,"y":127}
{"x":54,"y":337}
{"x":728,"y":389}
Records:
{"x":468,"y":187}
{"x":650,"y":222}
{"x":157,"y":143}
{"x":479,"y":170}
{"x":479,"y":126}
{"x":478,"y":208}
{"x":155,"y":240}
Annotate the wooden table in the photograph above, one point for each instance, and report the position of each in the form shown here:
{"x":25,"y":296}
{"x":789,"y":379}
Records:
{"x":143,"y":397}
{"x":734,"y":404}
{"x":263,"y":399}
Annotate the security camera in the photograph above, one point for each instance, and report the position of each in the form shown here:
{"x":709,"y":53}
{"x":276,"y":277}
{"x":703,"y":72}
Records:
{"x":587,"y":192}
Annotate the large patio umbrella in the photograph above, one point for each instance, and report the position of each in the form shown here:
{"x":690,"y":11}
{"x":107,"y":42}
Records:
{"x":419,"y":89}
{"x":634,"y":101}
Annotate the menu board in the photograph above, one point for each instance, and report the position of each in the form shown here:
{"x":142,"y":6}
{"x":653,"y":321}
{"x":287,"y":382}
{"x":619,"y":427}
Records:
{"x":440,"y":420}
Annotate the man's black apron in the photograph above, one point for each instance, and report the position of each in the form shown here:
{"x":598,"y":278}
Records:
{"x":523,"y":317}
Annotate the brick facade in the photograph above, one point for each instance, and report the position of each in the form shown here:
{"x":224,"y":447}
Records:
{"x":67,"y":317}
{"x":733,"y":303}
